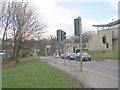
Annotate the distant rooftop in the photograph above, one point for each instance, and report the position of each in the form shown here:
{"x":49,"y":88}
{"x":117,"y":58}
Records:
{"x":109,"y":24}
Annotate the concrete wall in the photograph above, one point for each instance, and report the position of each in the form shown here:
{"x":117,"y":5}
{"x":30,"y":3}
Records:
{"x":69,"y":48}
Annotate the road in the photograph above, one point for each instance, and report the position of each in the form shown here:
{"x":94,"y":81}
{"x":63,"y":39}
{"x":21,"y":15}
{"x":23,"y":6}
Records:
{"x":106,"y":68}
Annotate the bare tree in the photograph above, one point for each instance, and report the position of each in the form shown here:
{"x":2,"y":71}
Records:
{"x":24,"y":23}
{"x":86,"y":36}
{"x":5,"y":15}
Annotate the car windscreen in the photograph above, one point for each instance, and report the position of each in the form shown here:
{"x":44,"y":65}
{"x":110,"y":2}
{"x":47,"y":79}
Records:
{"x":73,"y":54}
{"x":85,"y":54}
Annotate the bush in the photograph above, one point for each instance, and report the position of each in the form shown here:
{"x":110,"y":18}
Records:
{"x":78,"y":50}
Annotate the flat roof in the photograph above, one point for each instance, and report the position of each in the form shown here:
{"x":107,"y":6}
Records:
{"x":109,"y":24}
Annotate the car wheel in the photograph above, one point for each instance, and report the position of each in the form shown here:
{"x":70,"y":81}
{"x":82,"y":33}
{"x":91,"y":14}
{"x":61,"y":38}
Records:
{"x":68,"y":58}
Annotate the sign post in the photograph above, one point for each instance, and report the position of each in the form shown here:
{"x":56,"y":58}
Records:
{"x":61,"y":36}
{"x":80,"y":28}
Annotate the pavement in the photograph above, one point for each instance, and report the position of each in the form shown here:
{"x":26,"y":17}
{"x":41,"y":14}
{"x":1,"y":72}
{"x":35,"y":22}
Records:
{"x":89,"y":78}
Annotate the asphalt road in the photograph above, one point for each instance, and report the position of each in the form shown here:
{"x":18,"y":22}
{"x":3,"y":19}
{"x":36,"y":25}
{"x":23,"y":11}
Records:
{"x":108,"y":68}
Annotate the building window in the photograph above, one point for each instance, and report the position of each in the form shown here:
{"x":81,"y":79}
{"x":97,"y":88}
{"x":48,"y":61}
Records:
{"x":67,"y":46}
{"x":107,"y":45}
{"x":74,"y":49}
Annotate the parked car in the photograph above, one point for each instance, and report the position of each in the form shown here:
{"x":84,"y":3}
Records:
{"x":56,"y":55}
{"x":62,"y":56}
{"x":85,"y":56}
{"x":71,"y":56}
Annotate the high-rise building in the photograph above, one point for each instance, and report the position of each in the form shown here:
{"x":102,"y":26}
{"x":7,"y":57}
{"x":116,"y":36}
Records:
{"x":76,"y":27}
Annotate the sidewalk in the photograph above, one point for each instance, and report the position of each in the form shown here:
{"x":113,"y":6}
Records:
{"x":91,"y":78}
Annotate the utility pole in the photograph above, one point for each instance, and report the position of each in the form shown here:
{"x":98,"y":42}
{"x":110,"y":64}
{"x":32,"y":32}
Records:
{"x":64,"y":52}
{"x":61,"y":36}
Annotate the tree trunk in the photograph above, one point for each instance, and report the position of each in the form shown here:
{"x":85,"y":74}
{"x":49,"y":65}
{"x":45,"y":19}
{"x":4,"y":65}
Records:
{"x":18,"y":48}
{"x":14,"y":50}
{"x":17,"y":56}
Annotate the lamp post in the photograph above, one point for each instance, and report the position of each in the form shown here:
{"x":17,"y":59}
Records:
{"x":113,"y":34}
{"x":80,"y":29}
{"x":113,"y":23}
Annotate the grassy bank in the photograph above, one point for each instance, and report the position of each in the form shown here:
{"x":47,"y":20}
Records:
{"x":35,"y":74}
{"x":102,"y":55}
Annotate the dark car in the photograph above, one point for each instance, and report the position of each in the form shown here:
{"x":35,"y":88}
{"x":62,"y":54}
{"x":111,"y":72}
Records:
{"x":85,"y":56}
{"x":71,"y":56}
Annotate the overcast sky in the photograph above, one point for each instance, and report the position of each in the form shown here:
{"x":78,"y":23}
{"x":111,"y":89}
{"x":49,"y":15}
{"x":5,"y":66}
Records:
{"x":60,"y":14}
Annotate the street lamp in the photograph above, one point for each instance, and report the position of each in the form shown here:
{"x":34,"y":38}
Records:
{"x":113,"y":23}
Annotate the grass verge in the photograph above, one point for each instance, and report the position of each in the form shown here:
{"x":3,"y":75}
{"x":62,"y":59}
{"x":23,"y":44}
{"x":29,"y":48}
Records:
{"x":35,"y":74}
{"x":101,"y":55}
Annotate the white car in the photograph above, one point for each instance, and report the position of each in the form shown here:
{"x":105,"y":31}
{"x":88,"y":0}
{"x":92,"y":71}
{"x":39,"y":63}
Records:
{"x":62,"y":56}
{"x":56,"y":55}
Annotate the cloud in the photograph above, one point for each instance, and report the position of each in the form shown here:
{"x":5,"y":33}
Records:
{"x":63,"y":18}
{"x":58,"y":17}
{"x":55,"y":16}
{"x":114,"y":4}
{"x":87,"y":0}
{"x":87,"y":23}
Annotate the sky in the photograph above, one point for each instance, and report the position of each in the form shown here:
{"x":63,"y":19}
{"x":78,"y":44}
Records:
{"x":60,"y":14}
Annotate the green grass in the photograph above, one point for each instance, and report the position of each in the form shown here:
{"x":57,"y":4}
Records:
{"x":35,"y":74}
{"x":101,"y":55}
{"x":0,"y":77}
